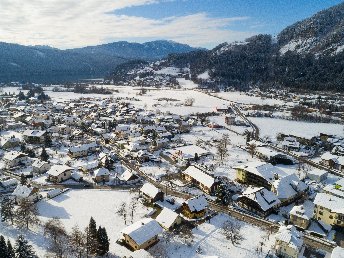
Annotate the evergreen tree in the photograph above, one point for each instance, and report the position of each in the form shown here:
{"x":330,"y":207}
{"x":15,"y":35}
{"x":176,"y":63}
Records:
{"x":7,"y":209}
{"x":103,"y":241}
{"x":44,"y":155}
{"x":3,"y":247}
{"x":23,"y":249}
{"x":21,"y":96}
{"x":23,"y":179}
{"x":92,"y":236}
{"x":10,"y":250}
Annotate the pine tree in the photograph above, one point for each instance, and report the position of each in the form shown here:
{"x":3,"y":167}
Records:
{"x":23,"y":179}
{"x":10,"y":251}
{"x":44,"y":155}
{"x":23,"y":249}
{"x":3,"y":247}
{"x":103,"y":241}
{"x":92,"y":236}
{"x":7,"y":209}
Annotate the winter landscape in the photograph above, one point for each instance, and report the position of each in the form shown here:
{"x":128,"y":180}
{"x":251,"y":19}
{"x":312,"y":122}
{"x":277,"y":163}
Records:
{"x":166,"y":149}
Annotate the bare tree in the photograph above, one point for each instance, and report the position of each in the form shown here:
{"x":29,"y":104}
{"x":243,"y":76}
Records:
{"x":132,"y":207}
{"x":57,"y":236}
{"x":226,"y":140}
{"x":26,"y":214}
{"x":221,"y":150}
{"x":232,"y":232}
{"x":122,"y":211}
{"x":252,"y":149}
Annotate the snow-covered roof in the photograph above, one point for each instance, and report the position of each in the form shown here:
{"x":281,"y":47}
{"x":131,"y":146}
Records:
{"x":329,"y":156}
{"x":304,"y":210}
{"x":9,"y":182}
{"x":36,"y":133}
{"x":166,"y":218}
{"x":289,"y":235}
{"x":265,"y":170}
{"x":39,"y":163}
{"x":189,"y":151}
{"x":23,"y":191}
{"x":101,"y":172}
{"x":333,"y":203}
{"x":83,"y":147}
{"x":317,"y":172}
{"x":143,"y":230}
{"x":263,"y":197}
{"x":56,"y":170}
{"x":200,"y":176}
{"x":198,"y":203}
{"x":336,"y":189}
{"x":288,"y":186}
{"x":12,"y":155}
{"x":150,"y":190}
{"x":126,"y":175}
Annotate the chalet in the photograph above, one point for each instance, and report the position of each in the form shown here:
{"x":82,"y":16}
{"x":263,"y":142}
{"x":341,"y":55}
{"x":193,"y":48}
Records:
{"x":59,"y":173}
{"x":26,"y":192}
{"x":142,"y":234}
{"x":259,"y":200}
{"x":259,"y":174}
{"x":101,"y":175}
{"x":82,"y":150}
{"x":200,"y":178}
{"x":151,"y":193}
{"x":195,"y":208}
{"x":329,"y":209}
{"x":289,"y":242}
{"x":301,"y":215}
{"x":35,"y":136}
{"x":14,"y":159}
{"x":168,"y":219}
{"x":40,"y":167}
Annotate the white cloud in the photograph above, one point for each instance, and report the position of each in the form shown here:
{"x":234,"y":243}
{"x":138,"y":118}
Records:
{"x":74,"y":23}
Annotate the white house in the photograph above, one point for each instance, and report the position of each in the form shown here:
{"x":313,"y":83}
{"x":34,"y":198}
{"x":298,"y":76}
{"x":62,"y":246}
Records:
{"x":39,"y":166}
{"x":59,"y":173}
{"x":14,"y":158}
{"x":26,"y":192}
{"x":289,"y":242}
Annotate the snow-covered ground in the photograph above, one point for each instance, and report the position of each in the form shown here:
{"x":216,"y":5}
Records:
{"x":271,"y":127}
{"x":241,"y":97}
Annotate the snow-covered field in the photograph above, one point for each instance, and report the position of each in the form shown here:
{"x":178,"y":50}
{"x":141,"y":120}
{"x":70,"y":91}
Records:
{"x":271,"y":127}
{"x":242,"y":98}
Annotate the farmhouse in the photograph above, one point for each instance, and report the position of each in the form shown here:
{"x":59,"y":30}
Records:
{"x":142,"y":234}
{"x":199,"y":178}
{"x":59,"y":173}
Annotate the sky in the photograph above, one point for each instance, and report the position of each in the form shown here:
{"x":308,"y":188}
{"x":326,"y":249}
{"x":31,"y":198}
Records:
{"x":201,"y":23}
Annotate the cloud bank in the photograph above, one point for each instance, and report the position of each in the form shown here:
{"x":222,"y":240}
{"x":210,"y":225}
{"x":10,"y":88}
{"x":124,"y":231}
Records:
{"x":73,"y":23}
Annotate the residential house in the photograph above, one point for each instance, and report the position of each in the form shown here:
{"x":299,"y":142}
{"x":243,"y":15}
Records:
{"x":40,"y":167}
{"x":317,"y":175}
{"x":195,"y":208}
{"x":142,"y":234}
{"x":82,"y":150}
{"x":10,"y":143}
{"x":101,"y":175}
{"x":59,"y":173}
{"x":289,"y":242}
{"x":200,"y":178}
{"x":290,"y":144}
{"x":230,"y":119}
{"x":329,"y":209}
{"x":259,"y":200}
{"x":151,"y":193}
{"x":9,"y":184}
{"x":35,"y":136}
{"x":336,"y":189}
{"x":128,"y":176}
{"x":26,"y":192}
{"x":14,"y":159}
{"x":301,"y":215}
{"x":168,"y":219}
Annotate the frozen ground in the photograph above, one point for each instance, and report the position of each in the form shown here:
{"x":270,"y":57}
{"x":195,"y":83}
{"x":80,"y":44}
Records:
{"x":271,"y":127}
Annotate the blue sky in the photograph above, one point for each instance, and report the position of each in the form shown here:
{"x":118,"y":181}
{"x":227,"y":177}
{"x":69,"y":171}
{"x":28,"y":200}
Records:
{"x":265,"y":16}
{"x":201,"y":23}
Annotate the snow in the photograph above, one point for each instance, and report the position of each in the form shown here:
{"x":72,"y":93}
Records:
{"x":243,"y":98}
{"x":186,"y":84}
{"x":75,"y":207}
{"x":204,"y":75}
{"x":169,"y":70}
{"x":271,"y":127}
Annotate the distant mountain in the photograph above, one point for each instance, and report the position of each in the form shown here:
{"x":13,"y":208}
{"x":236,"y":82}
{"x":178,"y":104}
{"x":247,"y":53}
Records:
{"x":308,"y":55}
{"x":51,"y":65}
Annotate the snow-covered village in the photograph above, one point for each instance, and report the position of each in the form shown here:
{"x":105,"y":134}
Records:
{"x":166,"y":177}
{"x":171,"y":129}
